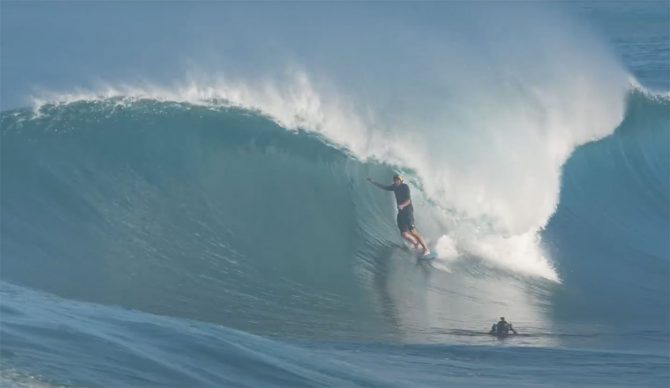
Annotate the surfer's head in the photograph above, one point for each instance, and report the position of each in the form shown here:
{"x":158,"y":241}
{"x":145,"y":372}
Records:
{"x":502,"y":318}
{"x":397,"y":179}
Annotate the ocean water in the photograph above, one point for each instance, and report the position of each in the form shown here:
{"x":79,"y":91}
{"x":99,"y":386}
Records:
{"x":217,"y":228}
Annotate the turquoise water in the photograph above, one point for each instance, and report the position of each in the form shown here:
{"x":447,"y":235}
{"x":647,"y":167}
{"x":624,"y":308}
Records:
{"x":222,"y":232}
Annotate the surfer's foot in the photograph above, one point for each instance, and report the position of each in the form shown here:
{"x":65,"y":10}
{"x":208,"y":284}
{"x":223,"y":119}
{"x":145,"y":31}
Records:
{"x":426,"y":252}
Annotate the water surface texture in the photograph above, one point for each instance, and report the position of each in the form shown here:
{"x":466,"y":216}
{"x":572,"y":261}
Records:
{"x":185,"y":202}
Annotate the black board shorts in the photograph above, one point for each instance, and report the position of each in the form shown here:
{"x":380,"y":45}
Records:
{"x":406,"y":219}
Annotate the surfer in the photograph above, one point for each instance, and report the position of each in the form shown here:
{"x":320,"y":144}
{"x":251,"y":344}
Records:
{"x":502,"y":328}
{"x":405,"y":217}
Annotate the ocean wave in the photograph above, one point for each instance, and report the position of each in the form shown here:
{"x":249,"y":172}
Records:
{"x":204,"y":211}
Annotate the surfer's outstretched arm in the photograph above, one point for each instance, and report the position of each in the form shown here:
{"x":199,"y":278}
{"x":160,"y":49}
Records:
{"x":383,"y":187}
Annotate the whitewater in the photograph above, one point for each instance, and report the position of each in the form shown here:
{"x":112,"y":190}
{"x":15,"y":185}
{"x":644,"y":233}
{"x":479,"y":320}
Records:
{"x":219,"y":229}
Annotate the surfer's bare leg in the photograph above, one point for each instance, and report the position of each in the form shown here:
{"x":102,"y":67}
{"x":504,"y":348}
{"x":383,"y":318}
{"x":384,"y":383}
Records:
{"x":421,"y":241}
{"x":410,"y":238}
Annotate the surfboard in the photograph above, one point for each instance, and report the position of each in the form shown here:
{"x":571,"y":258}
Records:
{"x":431,"y":256}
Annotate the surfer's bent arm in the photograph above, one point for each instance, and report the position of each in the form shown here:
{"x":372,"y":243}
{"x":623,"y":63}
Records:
{"x":383,"y":187}
{"x":404,"y":204}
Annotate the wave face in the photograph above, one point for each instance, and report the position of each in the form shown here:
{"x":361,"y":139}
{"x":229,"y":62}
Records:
{"x":221,"y":215}
{"x":612,"y":226}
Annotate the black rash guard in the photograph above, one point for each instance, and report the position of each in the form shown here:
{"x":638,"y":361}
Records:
{"x":401,"y":193}
{"x":405,"y":217}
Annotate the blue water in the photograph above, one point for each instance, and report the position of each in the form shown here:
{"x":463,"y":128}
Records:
{"x":154,"y":238}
